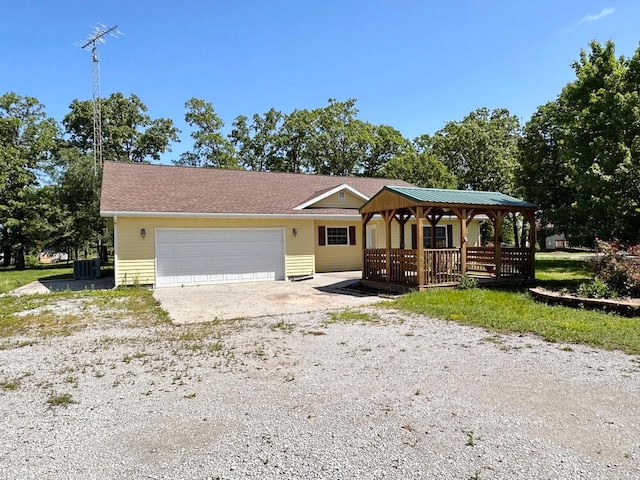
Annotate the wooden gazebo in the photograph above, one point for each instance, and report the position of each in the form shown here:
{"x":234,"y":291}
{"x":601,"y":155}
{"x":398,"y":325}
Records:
{"x":416,"y":267}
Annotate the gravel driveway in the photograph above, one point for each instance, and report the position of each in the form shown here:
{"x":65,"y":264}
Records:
{"x":371,"y":394}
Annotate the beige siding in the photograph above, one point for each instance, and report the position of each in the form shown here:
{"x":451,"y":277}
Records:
{"x":473,"y":232}
{"x":332,"y":201}
{"x":338,"y":258}
{"x":136,"y":255}
{"x":300,"y":265}
{"x":136,"y":272}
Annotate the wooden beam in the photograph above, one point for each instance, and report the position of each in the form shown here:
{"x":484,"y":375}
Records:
{"x":388,"y":218}
{"x":531,"y":218}
{"x":497,"y":226}
{"x":402,"y":220}
{"x":463,"y":241}
{"x":420,"y":246}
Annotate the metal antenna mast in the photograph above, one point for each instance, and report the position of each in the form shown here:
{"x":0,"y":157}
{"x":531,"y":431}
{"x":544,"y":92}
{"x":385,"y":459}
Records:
{"x":91,"y":44}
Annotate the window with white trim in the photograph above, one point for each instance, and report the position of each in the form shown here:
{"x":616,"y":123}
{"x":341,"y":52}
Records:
{"x":337,"y":236}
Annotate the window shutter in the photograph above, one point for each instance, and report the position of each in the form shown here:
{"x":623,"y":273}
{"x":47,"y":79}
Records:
{"x":449,"y":236}
{"x":414,"y":236}
{"x":322,"y":238}
{"x":352,"y":235}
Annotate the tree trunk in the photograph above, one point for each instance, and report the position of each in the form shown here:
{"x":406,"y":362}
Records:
{"x":6,"y":248}
{"x":516,"y":236}
{"x":523,"y":237}
{"x":20,"y":264}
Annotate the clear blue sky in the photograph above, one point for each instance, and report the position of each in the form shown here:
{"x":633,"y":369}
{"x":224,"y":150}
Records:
{"x":411,"y":64}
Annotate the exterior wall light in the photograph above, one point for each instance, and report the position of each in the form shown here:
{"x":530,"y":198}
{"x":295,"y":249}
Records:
{"x":143,"y":233}
{"x":295,"y":232}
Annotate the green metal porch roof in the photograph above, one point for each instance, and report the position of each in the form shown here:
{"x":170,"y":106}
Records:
{"x":459,"y":197}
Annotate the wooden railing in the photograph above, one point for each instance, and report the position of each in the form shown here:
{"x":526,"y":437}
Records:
{"x":481,"y":259}
{"x":441,"y":265}
{"x":516,"y":263}
{"x":374,"y":266}
{"x":404,"y":266}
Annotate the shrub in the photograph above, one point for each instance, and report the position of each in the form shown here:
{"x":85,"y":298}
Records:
{"x":618,"y":267}
{"x":596,"y":289}
{"x":467,"y":283}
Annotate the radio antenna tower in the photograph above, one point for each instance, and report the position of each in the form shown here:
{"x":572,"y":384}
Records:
{"x":91,"y":44}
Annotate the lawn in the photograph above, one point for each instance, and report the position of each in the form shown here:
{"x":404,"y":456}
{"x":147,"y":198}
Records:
{"x":10,"y":278}
{"x":514,"y":310}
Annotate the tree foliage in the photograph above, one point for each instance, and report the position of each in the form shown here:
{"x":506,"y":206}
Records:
{"x":129,"y":134}
{"x":257,"y":142}
{"x":580,"y":154}
{"x":210,"y":146}
{"x":421,"y":169}
{"x":481,"y":150}
{"x":27,"y":137}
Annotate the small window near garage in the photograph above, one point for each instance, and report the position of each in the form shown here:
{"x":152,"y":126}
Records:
{"x":341,"y":195}
{"x":337,"y":235}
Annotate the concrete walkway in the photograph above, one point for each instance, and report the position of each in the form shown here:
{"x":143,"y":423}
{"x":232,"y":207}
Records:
{"x":48,"y":286}
{"x":246,"y":300}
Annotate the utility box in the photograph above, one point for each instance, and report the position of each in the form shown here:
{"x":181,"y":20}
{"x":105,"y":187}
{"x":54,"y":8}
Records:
{"x":86,"y":269}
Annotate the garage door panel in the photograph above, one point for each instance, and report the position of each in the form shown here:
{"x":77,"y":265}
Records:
{"x":198,"y":257}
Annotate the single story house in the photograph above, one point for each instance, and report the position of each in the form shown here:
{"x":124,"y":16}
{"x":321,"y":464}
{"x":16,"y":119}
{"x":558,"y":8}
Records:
{"x":176,"y":226}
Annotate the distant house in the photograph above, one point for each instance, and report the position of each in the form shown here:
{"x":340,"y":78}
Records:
{"x":195,"y":226}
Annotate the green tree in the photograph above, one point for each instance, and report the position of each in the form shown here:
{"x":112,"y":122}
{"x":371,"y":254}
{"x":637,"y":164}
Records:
{"x":78,"y":198}
{"x":257,"y":143}
{"x":293,"y":140}
{"x":481,"y":150}
{"x":27,"y":138}
{"x":580,"y":153}
{"x":210,"y":146}
{"x":420,"y":169}
{"x":339,"y":140}
{"x":129,"y":134}
{"x":384,"y":144}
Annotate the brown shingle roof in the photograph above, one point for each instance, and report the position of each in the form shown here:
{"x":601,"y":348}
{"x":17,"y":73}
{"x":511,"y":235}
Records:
{"x":143,"y":188}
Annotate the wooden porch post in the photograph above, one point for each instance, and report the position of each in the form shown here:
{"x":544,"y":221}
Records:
{"x":497,"y":226}
{"x":463,"y":216}
{"x":402,"y":220}
{"x":365,"y":220}
{"x":531,"y":218}
{"x":388,"y":218}
{"x":420,"y":245}
{"x":463,"y":242}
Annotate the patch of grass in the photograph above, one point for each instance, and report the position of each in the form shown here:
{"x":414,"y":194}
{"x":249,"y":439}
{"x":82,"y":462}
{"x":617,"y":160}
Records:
{"x":282,"y":325}
{"x":40,"y":315}
{"x":566,"y":271}
{"x":12,"y":384}
{"x":350,"y":316}
{"x":507,"y":311}
{"x":10,"y":278}
{"x":60,"y":400}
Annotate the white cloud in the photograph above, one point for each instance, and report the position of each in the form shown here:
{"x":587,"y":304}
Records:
{"x":593,"y":18}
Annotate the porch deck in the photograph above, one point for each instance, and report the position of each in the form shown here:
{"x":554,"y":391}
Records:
{"x":444,"y":266}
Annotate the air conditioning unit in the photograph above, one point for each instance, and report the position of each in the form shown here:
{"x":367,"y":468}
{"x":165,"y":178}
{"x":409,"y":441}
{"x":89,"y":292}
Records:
{"x":86,"y":269}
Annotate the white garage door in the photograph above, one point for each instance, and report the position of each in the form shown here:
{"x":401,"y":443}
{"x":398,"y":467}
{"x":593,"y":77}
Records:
{"x":207,"y":256}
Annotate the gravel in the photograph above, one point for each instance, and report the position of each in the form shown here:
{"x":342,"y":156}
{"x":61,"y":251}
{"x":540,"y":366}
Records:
{"x":304,"y":396}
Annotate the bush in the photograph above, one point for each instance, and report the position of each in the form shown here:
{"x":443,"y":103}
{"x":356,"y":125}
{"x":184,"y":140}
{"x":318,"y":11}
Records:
{"x":467,"y":283}
{"x":618,"y":267}
{"x":596,"y":289}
